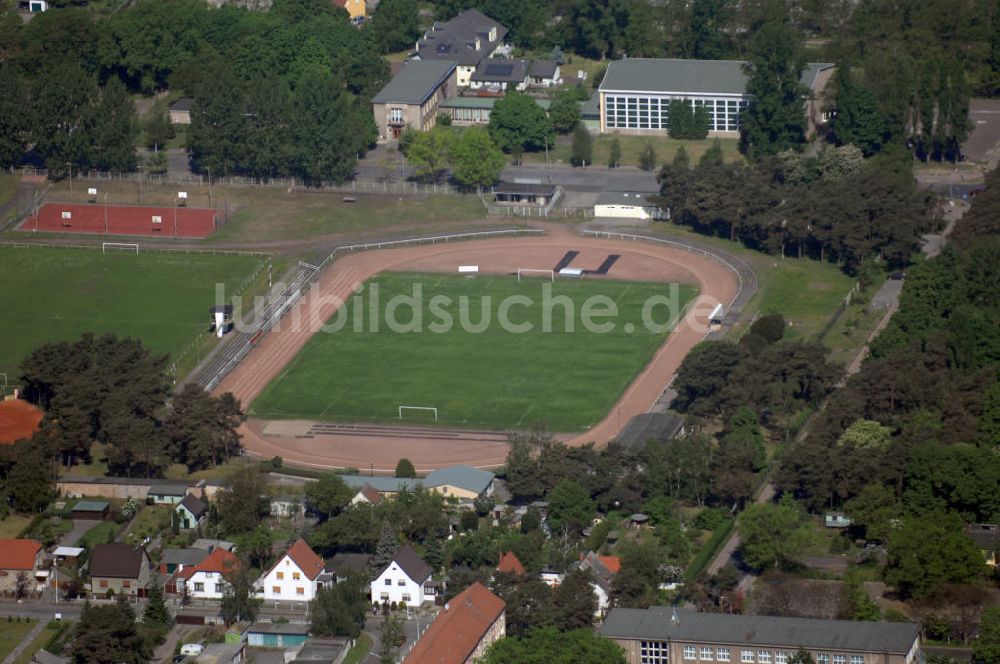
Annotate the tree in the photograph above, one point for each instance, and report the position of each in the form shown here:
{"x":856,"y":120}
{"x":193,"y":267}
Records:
{"x":986,"y":648}
{"x":241,"y":503}
{"x":774,"y":120}
{"x":929,"y":550}
{"x":340,"y":609}
{"x":583,"y":146}
{"x":647,"y":158}
{"x":476,"y":161}
{"x":156,"y":613}
{"x":564,"y":112}
{"x":517,"y":121}
{"x":615,"y":153}
{"x":203,"y":429}
{"x":688,"y":120}
{"x":405,"y":468}
{"x":573,"y":602}
{"x":14,"y":124}
{"x":801,"y":656}
{"x":391,"y":637}
{"x":107,"y":635}
{"x":239,"y":598}
{"x":429,"y":153}
{"x":329,"y":495}
{"x":637,"y":584}
{"x":30,"y":485}
{"x":873,"y":512}
{"x":570,"y":507}
{"x":855,"y":602}
{"x":396,"y":24}
{"x":772,"y":536}
{"x":550,"y":646}
{"x":158,"y":129}
{"x":385,"y":549}
{"x":156,"y":163}
{"x":858,"y":120}
{"x":702,"y":375}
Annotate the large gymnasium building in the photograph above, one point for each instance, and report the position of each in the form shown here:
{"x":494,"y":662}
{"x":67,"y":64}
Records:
{"x":636,"y":93}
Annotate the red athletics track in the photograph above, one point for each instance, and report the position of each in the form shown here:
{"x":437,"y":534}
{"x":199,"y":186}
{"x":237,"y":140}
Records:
{"x":123,"y":220}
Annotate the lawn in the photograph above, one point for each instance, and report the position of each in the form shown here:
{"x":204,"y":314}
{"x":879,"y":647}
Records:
{"x":11,"y":634}
{"x":53,"y":632}
{"x":271,"y":214}
{"x":362,"y":646}
{"x":12,"y":525}
{"x":99,"y":534}
{"x":631,"y":146}
{"x":149,"y":522}
{"x":49,"y":294}
{"x":489,"y":378}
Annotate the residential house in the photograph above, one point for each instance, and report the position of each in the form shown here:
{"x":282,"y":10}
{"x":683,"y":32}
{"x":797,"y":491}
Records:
{"x":175,"y":561}
{"x":180,"y":111}
{"x":222,"y":653}
{"x":119,"y":569}
{"x":987,"y":538}
{"x":466,"y":40}
{"x":544,"y":74}
{"x":367,"y":495}
{"x":510,"y":564}
{"x":461,"y":633}
{"x":277,"y":635}
{"x":207,"y":579}
{"x":603,"y":570}
{"x":21,"y":558}
{"x":343,"y":564}
{"x":412,"y":97}
{"x":191,"y":511}
{"x":404,"y":580}
{"x":294,"y":577}
{"x":497,"y":76}
{"x":635,"y":93}
{"x":662,"y":635}
{"x":356,"y":9}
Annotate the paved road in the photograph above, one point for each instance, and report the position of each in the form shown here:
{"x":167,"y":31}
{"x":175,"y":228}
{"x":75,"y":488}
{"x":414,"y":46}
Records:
{"x":80,"y":528}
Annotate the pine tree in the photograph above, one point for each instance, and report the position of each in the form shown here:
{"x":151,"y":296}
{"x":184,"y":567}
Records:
{"x":156,"y":607}
{"x":647,"y":158}
{"x":385,"y":550}
{"x":583,"y":146}
{"x":615,"y":154}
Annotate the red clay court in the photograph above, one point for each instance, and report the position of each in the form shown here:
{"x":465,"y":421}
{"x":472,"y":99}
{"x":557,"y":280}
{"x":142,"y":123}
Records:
{"x":18,"y":419}
{"x":123,"y":220}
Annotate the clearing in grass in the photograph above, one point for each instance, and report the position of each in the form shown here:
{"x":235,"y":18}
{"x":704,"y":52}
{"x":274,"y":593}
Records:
{"x":476,"y":373}
{"x":49,"y":294}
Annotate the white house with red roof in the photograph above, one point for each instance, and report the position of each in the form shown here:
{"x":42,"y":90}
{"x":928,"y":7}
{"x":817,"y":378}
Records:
{"x":207,"y":579}
{"x":294,"y":577}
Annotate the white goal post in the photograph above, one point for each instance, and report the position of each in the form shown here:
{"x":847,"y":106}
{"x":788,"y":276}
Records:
{"x":530,"y":270}
{"x":426,"y":408}
{"x":120,"y":246}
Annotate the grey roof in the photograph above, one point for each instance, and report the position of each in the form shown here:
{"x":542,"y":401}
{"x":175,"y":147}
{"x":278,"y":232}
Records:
{"x":624,"y":198}
{"x":543,"y":68}
{"x":90,"y":506}
{"x":190,"y":556}
{"x":415,"y":82}
{"x":464,"y":477}
{"x":985,"y":535}
{"x":45,"y":657}
{"x":412,"y":564}
{"x":486,"y":102}
{"x":321,"y":650}
{"x":602,"y":575}
{"x":210,"y":544}
{"x":591,"y":109}
{"x":533,"y":189}
{"x":171,"y":489}
{"x":126,"y":481}
{"x":182,"y":104}
{"x":455,"y":39}
{"x":833,"y":635}
{"x":278,"y":628}
{"x":348,"y":562}
{"x":661,"y":427}
{"x":219,"y":653}
{"x":724,"y":77}
{"x":380,"y":483}
{"x":195,"y":505}
{"x":501,"y":71}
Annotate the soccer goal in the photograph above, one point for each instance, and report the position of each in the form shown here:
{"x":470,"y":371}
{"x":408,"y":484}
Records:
{"x":120,"y":246}
{"x":531,"y":270}
{"x":428,"y":409}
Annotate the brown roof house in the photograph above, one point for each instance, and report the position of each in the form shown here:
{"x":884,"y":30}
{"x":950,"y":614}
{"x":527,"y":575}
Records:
{"x":20,"y":558}
{"x":117,"y":569}
{"x":461,"y":633}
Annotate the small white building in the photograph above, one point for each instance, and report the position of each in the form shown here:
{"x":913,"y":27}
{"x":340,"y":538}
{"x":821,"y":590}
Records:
{"x":628,"y":205}
{"x":544,"y":74}
{"x":294,"y":576}
{"x":207,"y":579}
{"x":367,"y":495}
{"x":406,"y":579}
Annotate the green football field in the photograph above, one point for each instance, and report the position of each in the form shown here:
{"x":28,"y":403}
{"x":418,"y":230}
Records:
{"x":49,"y":294}
{"x":567,"y":376}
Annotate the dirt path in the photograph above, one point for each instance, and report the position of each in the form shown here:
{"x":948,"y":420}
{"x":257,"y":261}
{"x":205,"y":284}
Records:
{"x":380,"y":453}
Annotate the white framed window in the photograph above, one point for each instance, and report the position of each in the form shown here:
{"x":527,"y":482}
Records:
{"x":840,"y":659}
{"x":706,"y":654}
{"x":388,"y":582}
{"x":384,"y":597}
{"x":746,"y":656}
{"x":722,"y":654}
{"x":781,"y":657}
{"x":395,"y":115}
{"x":406,"y":597}
{"x":763,"y":657}
{"x":690,"y":652}
{"x":857,"y":659}
{"x":822,"y":658}
{"x":653,"y":652}
{"x":199,"y":587}
{"x":400,"y":582}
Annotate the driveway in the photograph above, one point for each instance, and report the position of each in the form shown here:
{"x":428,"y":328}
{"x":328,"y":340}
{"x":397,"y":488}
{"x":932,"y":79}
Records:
{"x":80,"y":528}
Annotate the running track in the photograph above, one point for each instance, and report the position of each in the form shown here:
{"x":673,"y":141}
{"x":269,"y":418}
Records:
{"x":380,"y":453}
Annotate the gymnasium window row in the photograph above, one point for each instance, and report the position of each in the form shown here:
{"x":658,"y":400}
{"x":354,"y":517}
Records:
{"x":653,"y":112}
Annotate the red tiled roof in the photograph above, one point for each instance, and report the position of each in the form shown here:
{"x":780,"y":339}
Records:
{"x":18,"y":553}
{"x":509,"y":563}
{"x":307,"y":560}
{"x":458,"y":629}
{"x":613,"y":563}
{"x":219,"y":560}
{"x":371,"y":493}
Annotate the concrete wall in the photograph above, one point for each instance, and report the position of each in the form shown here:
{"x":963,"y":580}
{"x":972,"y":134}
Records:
{"x":496,"y":632}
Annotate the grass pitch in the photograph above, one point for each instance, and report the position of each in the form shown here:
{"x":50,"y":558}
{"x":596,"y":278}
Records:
{"x":49,"y":294}
{"x":493,"y":378}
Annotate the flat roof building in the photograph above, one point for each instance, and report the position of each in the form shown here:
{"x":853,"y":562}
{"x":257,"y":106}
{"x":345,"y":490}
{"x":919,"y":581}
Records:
{"x":665,"y":635}
{"x":635,"y":93}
